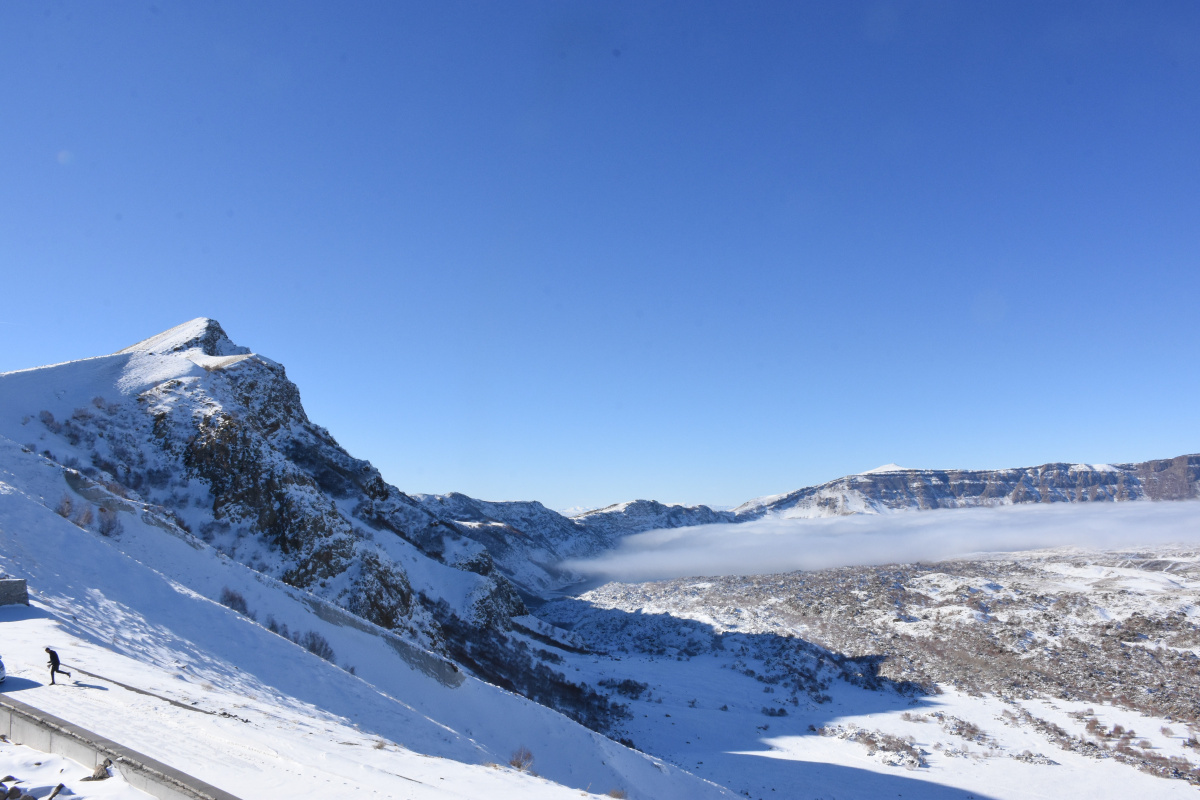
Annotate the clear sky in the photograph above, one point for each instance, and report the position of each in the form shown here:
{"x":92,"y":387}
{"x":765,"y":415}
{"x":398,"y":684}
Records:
{"x":586,"y":252}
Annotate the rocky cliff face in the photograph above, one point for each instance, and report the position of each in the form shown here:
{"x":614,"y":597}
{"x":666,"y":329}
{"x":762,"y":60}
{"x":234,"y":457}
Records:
{"x":922,"y":489}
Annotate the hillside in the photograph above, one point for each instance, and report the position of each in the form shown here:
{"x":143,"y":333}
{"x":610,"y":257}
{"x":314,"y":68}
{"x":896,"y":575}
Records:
{"x":143,"y":489}
{"x":237,"y":696}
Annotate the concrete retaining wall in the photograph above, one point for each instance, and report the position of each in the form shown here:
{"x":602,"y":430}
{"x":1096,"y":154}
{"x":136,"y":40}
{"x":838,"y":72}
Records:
{"x":24,"y":724}
{"x":13,"y":591}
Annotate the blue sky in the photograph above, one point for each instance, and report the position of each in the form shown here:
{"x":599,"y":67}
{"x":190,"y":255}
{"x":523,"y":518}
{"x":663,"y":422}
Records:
{"x":587,"y":252}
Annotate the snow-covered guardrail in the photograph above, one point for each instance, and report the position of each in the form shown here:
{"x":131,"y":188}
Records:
{"x":24,"y":724}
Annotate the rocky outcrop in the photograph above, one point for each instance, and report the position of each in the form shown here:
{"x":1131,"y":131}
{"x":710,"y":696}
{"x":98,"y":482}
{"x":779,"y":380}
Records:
{"x":1170,"y":479}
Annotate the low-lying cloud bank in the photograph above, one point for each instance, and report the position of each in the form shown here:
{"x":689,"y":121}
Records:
{"x":782,"y":545}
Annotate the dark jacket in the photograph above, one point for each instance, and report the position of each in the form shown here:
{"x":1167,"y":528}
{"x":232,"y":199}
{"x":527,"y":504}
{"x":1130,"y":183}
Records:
{"x":53,"y":659}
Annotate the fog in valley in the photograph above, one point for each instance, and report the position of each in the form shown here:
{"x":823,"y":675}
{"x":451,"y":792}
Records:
{"x":777,"y":544}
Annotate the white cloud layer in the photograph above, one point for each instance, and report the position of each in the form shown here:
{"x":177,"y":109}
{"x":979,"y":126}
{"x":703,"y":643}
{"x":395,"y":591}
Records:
{"x":780,"y":545}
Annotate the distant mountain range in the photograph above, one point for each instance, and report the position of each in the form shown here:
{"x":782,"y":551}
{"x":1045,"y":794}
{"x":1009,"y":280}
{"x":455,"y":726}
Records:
{"x":503,"y":527}
{"x":896,"y":488}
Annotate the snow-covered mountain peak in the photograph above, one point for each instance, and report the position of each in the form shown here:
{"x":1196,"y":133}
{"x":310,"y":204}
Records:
{"x":202,"y":333}
{"x":886,"y":468}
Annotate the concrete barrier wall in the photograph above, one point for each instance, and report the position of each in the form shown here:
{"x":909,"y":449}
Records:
{"x":24,"y":724}
{"x":13,"y":592}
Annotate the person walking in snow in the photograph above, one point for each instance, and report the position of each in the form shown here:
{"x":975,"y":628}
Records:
{"x":54,"y":666}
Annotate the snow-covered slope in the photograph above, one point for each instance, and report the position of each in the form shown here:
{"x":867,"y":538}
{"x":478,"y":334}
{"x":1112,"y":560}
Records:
{"x":159,"y":665}
{"x":197,"y":337}
{"x":194,"y":457}
{"x":526,"y":540}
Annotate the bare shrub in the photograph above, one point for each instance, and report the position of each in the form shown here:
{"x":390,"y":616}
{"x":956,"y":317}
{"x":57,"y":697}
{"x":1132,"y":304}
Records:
{"x":48,"y":420}
{"x":234,"y":599}
{"x":84,"y":518}
{"x":316,"y":644}
{"x":65,"y":506}
{"x":110,"y":523}
{"x":278,"y":627}
{"x":628,"y":687}
{"x":617,"y":793}
{"x":521,"y":759}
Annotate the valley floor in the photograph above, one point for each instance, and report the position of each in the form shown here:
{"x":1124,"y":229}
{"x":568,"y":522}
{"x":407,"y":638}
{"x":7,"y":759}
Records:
{"x":722,"y":678}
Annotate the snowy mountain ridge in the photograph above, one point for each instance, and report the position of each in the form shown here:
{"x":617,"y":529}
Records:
{"x":895,"y":488}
